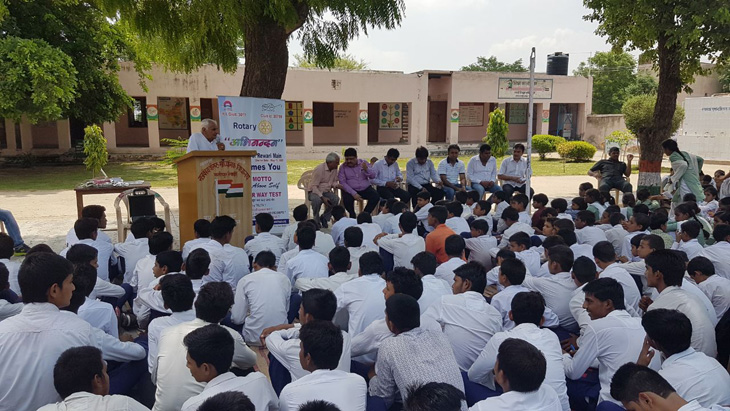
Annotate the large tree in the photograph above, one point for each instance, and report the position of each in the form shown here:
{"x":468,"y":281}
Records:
{"x":492,"y":64}
{"x":188,"y":34}
{"x":613,"y":73}
{"x":674,"y":35}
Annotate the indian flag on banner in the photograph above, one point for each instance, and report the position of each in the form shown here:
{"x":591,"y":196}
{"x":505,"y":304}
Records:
{"x":222,"y":186}
{"x":235,"y":190}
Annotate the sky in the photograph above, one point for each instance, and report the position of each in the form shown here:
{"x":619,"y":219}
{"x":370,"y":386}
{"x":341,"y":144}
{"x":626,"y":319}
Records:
{"x":449,"y":34}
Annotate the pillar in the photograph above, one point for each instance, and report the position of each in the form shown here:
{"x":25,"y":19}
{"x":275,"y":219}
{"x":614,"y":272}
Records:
{"x":63,"y":129}
{"x":308,"y":128}
{"x":195,"y":126}
{"x":543,"y":126}
{"x":110,"y":133}
{"x":153,"y":127}
{"x":10,"y":134}
{"x":362,"y":129}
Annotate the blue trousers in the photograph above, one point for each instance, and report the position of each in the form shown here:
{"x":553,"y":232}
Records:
{"x":476,"y":392}
{"x":360,"y":369}
{"x":481,"y":190}
{"x":583,"y":393}
{"x":609,"y":406}
{"x":279,"y":375}
{"x":11,"y":226}
{"x":295,"y":300}
{"x":388,"y":261}
{"x":123,"y":376}
{"x":449,"y":192}
{"x":378,"y":404}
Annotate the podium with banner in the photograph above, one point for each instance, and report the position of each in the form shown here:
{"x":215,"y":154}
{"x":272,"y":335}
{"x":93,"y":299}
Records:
{"x":213,"y":183}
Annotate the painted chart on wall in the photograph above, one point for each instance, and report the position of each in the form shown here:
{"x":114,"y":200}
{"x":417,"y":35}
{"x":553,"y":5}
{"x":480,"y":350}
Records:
{"x":390,"y":116}
{"x":293,"y":114}
{"x":173,"y":113}
{"x":471,"y":114}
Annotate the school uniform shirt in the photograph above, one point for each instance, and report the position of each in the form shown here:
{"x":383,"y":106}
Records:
{"x":143,"y":274}
{"x":479,"y":248}
{"x":284,"y":345}
{"x":512,"y":230}
{"x":717,"y":289}
{"x":436,"y":242}
{"x":8,"y":310}
{"x":13,"y":267}
{"x":631,"y":292}
{"x":105,"y":255}
{"x":345,"y":390}
{"x":392,"y":224}
{"x":590,"y":235}
{"x":458,"y":224}
{"x":288,"y":235}
{"x":490,"y":221}
{"x":626,"y":246}
{"x":510,"y":167}
{"x":692,"y":248}
{"x":564,"y":216}
{"x":433,"y":289}
{"x":422,"y":214}
{"x":227,"y":263}
{"x":616,"y":237}
{"x":339,"y":227}
{"x":493,"y":278}
{"x":104,"y":288}
{"x":524,"y":218}
{"x":33,"y":340}
{"x":366,"y":344}
{"x":307,"y":264}
{"x":155,"y":329}
{"x":445,"y":271}
{"x":284,"y":260}
{"x":132,"y":251}
{"x":557,"y":290}
{"x":100,"y":315}
{"x":466,"y":213}
{"x":703,"y":330}
{"x":149,"y":299}
{"x":255,"y":386}
{"x":380,"y":219}
{"x":85,"y":401}
{"x":468,"y":322}
{"x":477,"y":172}
{"x":604,"y":227}
{"x":543,"y":399}
{"x":174,"y":382}
{"x":697,"y":377}
{"x":323,"y":244}
{"x":355,"y":254}
{"x":708,"y":208}
{"x":261,"y":301}
{"x":265,"y":242}
{"x":582,"y":250}
{"x":72,"y":239}
{"x":451,"y":171}
{"x":369,"y":231}
{"x":331,"y":283}
{"x":502,"y":301}
{"x":690,"y":286}
{"x":360,"y":302}
{"x":193,"y":244}
{"x":718,"y":254}
{"x":695,"y":406}
{"x":403,"y":247}
{"x":531,"y":259}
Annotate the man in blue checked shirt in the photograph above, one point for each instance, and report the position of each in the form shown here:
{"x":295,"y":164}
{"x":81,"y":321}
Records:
{"x":388,"y":179}
{"x":422,"y":176}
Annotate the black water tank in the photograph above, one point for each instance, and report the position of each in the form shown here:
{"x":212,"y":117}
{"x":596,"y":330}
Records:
{"x":557,"y":64}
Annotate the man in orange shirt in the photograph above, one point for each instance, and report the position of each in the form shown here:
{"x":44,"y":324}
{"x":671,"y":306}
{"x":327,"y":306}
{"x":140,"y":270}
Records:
{"x":436,"y":239}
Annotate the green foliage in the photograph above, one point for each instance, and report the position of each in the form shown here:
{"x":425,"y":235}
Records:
{"x":576,"y":150}
{"x":347,"y":62}
{"x":492,"y":64}
{"x":543,"y":144}
{"x":613,"y":74}
{"x":621,"y":137}
{"x":638,"y":113}
{"x":644,"y":84}
{"x":497,"y":133}
{"x":723,"y":75}
{"x":95,"y":149}
{"x":177,"y":149}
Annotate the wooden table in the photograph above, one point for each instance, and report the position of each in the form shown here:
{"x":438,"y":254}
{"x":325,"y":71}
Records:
{"x":83,"y":191}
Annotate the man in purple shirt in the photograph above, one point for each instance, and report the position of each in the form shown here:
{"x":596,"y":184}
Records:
{"x":354,"y":176}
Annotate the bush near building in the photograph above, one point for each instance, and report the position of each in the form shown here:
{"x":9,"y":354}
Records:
{"x":576,"y":151}
{"x":544,"y":144}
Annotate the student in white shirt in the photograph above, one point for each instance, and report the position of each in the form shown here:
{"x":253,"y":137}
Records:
{"x":359,"y":302}
{"x":227,"y":262}
{"x":321,"y":348}
{"x":341,"y":223}
{"x":353,"y":242}
{"x":519,"y":202}
{"x":501,"y":203}
{"x":143,"y":272}
{"x":339,"y":265}
{"x":584,"y":271}
{"x":433,"y":396}
{"x":403,"y":246}
{"x":86,"y":254}
{"x":466,"y":318}
{"x":384,"y":213}
{"x":264,"y":240}
{"x":91,"y":211}
{"x":718,"y":252}
{"x":606,"y":260}
{"x":616,"y":234}
{"x":569,"y":238}
{"x":511,"y":276}
{"x":99,"y":314}
{"x":424,"y":265}
{"x":391,"y":224}
{"x":307,"y":263}
{"x":693,"y":374}
{"x":716,"y":288}
{"x":481,"y":242}
{"x":209,"y":358}
{"x":493,"y":274}
{"x":7,"y":308}
{"x":262,"y":298}
{"x":454,"y":247}
{"x":687,"y":239}
{"x":148,"y":303}
{"x":558,"y":288}
{"x":481,"y":212}
{"x":202,"y":236}
{"x":80,"y":378}
{"x":455,"y":221}
{"x":511,"y":220}
{"x":134,"y":250}
{"x":369,"y":230}
{"x":300,"y":213}
{"x":585,"y":232}
{"x":197,"y":266}
{"x":520,"y":244}
{"x":87,"y":230}
{"x":637,"y":224}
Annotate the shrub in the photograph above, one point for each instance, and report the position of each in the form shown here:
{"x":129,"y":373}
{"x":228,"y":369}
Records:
{"x":497,"y":133}
{"x":95,"y":149}
{"x":544,"y":144}
{"x":576,"y":150}
{"x":177,"y":149}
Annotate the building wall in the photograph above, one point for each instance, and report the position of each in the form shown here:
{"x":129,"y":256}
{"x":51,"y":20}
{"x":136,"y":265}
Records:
{"x":703,"y":86}
{"x":598,"y":126}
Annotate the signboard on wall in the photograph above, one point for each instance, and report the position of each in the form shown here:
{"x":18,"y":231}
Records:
{"x":195,"y":113}
{"x":391,"y":116}
{"x":259,"y":124}
{"x":517,"y":113}
{"x":520,"y":88}
{"x":454,"y":115}
{"x":152,"y":112}
{"x":294,"y":116}
{"x":363,"y":116}
{"x":471,"y":114}
{"x":173,"y":113}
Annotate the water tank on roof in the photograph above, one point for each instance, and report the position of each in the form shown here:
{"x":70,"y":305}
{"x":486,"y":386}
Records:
{"x":557,"y":64}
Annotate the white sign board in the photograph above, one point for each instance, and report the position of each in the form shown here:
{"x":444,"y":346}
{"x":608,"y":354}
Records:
{"x":518,"y":88}
{"x":249,"y":123}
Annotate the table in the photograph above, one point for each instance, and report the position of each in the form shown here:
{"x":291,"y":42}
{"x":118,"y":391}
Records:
{"x":83,"y":191}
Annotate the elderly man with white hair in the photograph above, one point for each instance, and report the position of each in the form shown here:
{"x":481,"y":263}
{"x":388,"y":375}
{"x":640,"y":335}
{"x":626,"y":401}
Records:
{"x":321,"y":188}
{"x":206,"y":139}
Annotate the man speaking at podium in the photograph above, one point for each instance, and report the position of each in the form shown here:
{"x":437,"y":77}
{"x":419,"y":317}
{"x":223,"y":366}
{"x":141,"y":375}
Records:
{"x":207,"y":139}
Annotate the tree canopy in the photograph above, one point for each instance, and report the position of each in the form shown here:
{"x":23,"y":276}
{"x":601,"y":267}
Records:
{"x":613,"y":73}
{"x":347,"y":62}
{"x":723,"y":74}
{"x":492,"y":64}
{"x":638,"y":114}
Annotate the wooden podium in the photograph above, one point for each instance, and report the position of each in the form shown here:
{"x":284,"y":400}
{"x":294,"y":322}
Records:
{"x":214,"y":183}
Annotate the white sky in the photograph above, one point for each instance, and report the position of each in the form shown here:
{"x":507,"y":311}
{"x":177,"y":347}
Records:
{"x":448,"y":34}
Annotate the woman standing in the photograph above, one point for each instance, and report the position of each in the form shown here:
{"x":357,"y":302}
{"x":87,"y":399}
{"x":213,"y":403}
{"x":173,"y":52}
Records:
{"x":687,"y":168}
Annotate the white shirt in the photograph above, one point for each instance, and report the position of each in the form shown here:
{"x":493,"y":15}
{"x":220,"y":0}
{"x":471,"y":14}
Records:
{"x":616,"y":237}
{"x":100,"y":315}
{"x":695,"y":406}
{"x":458,"y":224}
{"x":403,"y":247}
{"x":717,"y":289}
{"x":331,"y":283}
{"x":288,"y":235}
{"x":265,"y":242}
{"x":524,"y":218}
{"x":227,"y":263}
{"x":193,"y":244}
{"x":692,"y":248}
{"x":544,"y":399}
{"x":255,"y":385}
{"x":502,"y":301}
{"x":284,"y":345}
{"x":13,"y":267}
{"x":155,"y":329}
{"x":385,"y":173}
{"x":576,"y":309}
{"x":361,"y":302}
{"x":132,"y":252}
{"x":85,"y":401}
{"x":468,"y":321}
{"x":698,"y":377}
{"x":477,"y":172}
{"x":433,"y":289}
{"x":105,"y":255}
{"x":8,"y":310}
{"x":626,"y":246}
{"x":583,"y":250}
{"x":104,"y":288}
{"x":479,"y":248}
{"x":369,"y":231}
{"x":557,"y":291}
{"x":531,"y":259}
{"x":703,"y":330}
{"x":323,"y":244}
{"x":339,"y":227}
{"x":261,"y":301}
{"x":380,"y":219}
{"x":590,"y":235}
{"x":143,"y":274}
{"x":174,"y":382}
{"x":307,"y":264}
{"x":422,"y":213}
{"x":72,"y":239}
{"x":510,"y":167}
{"x":514,"y":229}
{"x":392,"y":224}
{"x":451,"y":172}
{"x":284,"y":260}
{"x":689,"y":286}
{"x":149,"y":299}
{"x":346,"y":391}
{"x":445,"y":271}
{"x":631,"y":292}
{"x":198,"y":142}
{"x":717,"y":253}
{"x":366,"y":344}
{"x":355,"y":254}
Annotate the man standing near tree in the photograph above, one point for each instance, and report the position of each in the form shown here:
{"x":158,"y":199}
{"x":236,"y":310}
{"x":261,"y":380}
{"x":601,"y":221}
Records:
{"x":355,"y":175}
{"x":610,"y":173}
{"x":206,"y":140}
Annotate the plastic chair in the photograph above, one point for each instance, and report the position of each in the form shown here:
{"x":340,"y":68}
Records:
{"x":122,"y":226}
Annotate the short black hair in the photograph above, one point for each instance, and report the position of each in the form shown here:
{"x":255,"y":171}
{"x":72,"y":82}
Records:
{"x":454,"y":245}
{"x":364,"y":217}
{"x":587,"y":217}
{"x":424,"y":195}
{"x":603,"y":251}
{"x":551,"y":241}
{"x":549,"y":212}
{"x":641,"y":209}
{"x":585,"y":186}
{"x":350,"y":152}
{"x":654,"y":241}
{"x":393,"y":153}
{"x":170,"y":259}
{"x":523,"y":365}
{"x":338,"y":212}
{"x":564,"y":224}
{"x":408,"y":221}
{"x":82,"y":254}
{"x":632,"y":379}
{"x":371,"y":263}
{"x":319,"y":303}
{"x":197,"y":264}
{"x":584,"y":269}
{"x":455,"y":208}
{"x":202,"y":227}
{"x":339,"y":259}
{"x":439,"y":213}
{"x":540,"y":198}
{"x":522,"y":199}
{"x":480,"y":225}
{"x":403,"y":311}
{"x":398,"y":207}
{"x":510,"y":214}
{"x":265,"y":259}
{"x":473,"y":195}
{"x":636,"y":240}
{"x":222,"y":225}
{"x":158,"y":223}
{"x":212,"y":345}
{"x":141,"y":227}
{"x":568,"y":236}
{"x":213,"y":302}
{"x":721,"y":232}
{"x":84,"y":279}
{"x":669,"y":263}
{"x":701,"y":264}
{"x":85,"y":227}
{"x":353,"y":237}
{"x":460,"y":197}
{"x":434,"y":396}
{"x":521,"y":238}
{"x":580,"y":202}
{"x":616,"y":218}
{"x":421,"y":152}
{"x":692,"y":228}
{"x":475,"y":273}
{"x":4,"y":277}
{"x":425,"y":262}
{"x":484,"y":148}
{"x":177,"y":292}
{"x":605,"y":289}
{"x":518,"y":146}
{"x":642,"y":220}
{"x":405,"y":281}
{"x":93,"y":211}
{"x":306,"y":237}
{"x":528,"y":307}
{"x":559,"y":204}
{"x":228,"y":400}
{"x":612,"y":209}
{"x":318,"y":405}
{"x":657,"y":220}
{"x":39,"y":272}
{"x":160,"y":241}
{"x":40,"y":248}
{"x":300,"y":212}
{"x":323,"y":341}
{"x":264,"y":221}
{"x":563,"y":255}
{"x":506,"y":253}
{"x":75,"y":370}
{"x":514,"y":270}
{"x":593,"y":194}
{"x":670,"y":329}
{"x":485,"y":205}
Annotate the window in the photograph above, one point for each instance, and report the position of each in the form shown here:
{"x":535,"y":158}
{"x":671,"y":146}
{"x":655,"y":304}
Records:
{"x":324,"y":114}
{"x":137,"y":114}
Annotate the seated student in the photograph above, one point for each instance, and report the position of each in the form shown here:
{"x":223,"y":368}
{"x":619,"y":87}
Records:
{"x":391,"y":224}
{"x":261,"y":299}
{"x":98,"y":314}
{"x":6,"y":251}
{"x":455,"y":221}
{"x":585,"y":232}
{"x":197,"y":266}
{"x":501,"y":202}
{"x":578,"y":204}
{"x":227,"y":262}
{"x":472,"y":198}
{"x":481,"y":242}
{"x":172,"y":378}
{"x":642,"y":197}
{"x":143,"y":272}
{"x":584,"y":271}
{"x":433,"y":396}
{"x":628,"y":202}
{"x":359,"y":301}
{"x":511,"y":275}
{"x":341,"y":223}
{"x":616,"y":234}
{"x":658,"y":226}
{"x":436,"y":239}
{"x":87,"y":230}
{"x":709,"y":205}
{"x":606,"y":260}
{"x":412,"y":355}
{"x":202,"y":236}
{"x":321,"y":348}
{"x":424,"y":265}
{"x":307,"y":263}
{"x":423,"y":204}
{"x":454,"y":247}
{"x":91,"y":211}
{"x":549,"y":229}
{"x":402,"y":247}
{"x":353,"y":242}
{"x":466,"y":318}
{"x":264,"y":240}
{"x":539,"y":203}
{"x":369,"y":230}
{"x":665,"y":271}
{"x":46,"y":283}
{"x":300,"y":213}
{"x":716,"y":288}
{"x":637,"y":224}
{"x":7,"y":308}
{"x":569,"y":238}
{"x":605,"y":222}
{"x":493,"y":274}
{"x":481,"y":212}
{"x":670,"y":332}
{"x":561,"y":205}
{"x":81,"y":380}
{"x":718,"y":252}
{"x":462,"y":198}
{"x":511,"y":217}
{"x":687,"y":239}
{"x":520,"y":244}
{"x":86,"y":254}
{"x":521,"y":370}
{"x":547,"y":244}
{"x":384,"y":212}
{"x":594,"y":203}
{"x":519,"y":202}
{"x":613,"y":337}
{"x":134,"y":250}
{"x":149,"y":303}
{"x":339,"y":265}
{"x":209,"y":357}
{"x":558,"y":288}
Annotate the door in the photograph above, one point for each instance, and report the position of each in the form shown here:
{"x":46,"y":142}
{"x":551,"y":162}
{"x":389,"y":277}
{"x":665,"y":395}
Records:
{"x":437,"y":122}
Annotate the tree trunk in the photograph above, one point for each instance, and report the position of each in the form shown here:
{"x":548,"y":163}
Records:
{"x":670,"y":84}
{"x":267,"y":59}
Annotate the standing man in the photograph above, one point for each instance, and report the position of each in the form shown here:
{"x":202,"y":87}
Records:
{"x":388,"y":178}
{"x":355,"y":175}
{"x":452,"y":172}
{"x":19,"y":246}
{"x":482,"y":171}
{"x":420,"y":172}
{"x":206,"y":140}
{"x":610,"y":173}
{"x":321,"y":188}
{"x":513,"y":172}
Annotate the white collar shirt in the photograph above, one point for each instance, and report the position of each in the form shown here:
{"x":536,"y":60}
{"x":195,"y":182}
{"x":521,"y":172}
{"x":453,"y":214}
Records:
{"x":576,"y":309}
{"x":360,"y":302}
{"x":458,"y":224}
{"x":478,"y":171}
{"x":590,"y":235}
{"x":695,"y":406}
{"x":626,"y":246}
{"x":514,"y":229}
{"x":72,"y":239}
{"x":403,"y":247}
{"x":323,"y":244}
{"x":227,"y":263}
{"x":703,"y":330}
{"x":692,"y":248}
{"x":331,"y":283}
{"x":543,"y":399}
{"x":8,"y":310}
{"x":717,"y":289}
{"x":468,"y":322}
{"x":307,"y":264}
{"x":433,"y":289}
{"x":392,"y":224}
{"x":105,"y":255}
{"x":451,"y":171}
{"x":422,"y":213}
{"x":198,"y":142}
{"x":149,"y":299}
{"x":631,"y":291}
{"x":193,"y":244}
{"x":490,"y":221}
{"x":345,"y":390}
{"x":717,"y":253}
{"x":369,"y":231}
{"x":502,"y":301}
{"x":445,"y":271}
{"x":261,"y":301}
{"x":582,"y":250}
{"x":265,"y":242}
{"x":385,"y":173}
{"x":284,"y":260}
{"x":155,"y":329}
{"x":689,"y":286}
{"x":100,"y":315}
{"x":531,"y":259}
{"x":85,"y":401}
{"x":380,"y":219}
{"x":13,"y":268}
{"x":564,"y":216}
{"x":132,"y":252}
{"x":499,"y":207}
{"x":479,"y":248}
{"x":524,"y":217}
{"x":338,"y":229}
{"x":616,"y":237}
{"x":284,"y":345}
{"x":355,"y":254}
{"x":143,"y":274}
{"x":288,"y":235}
{"x":510,"y":167}
{"x":557,"y":291}
{"x":255,"y":385}
{"x":104,"y":288}
{"x":685,"y":369}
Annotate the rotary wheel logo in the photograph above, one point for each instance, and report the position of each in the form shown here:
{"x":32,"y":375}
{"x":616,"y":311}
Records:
{"x":152,"y":111}
{"x":308,"y":115}
{"x":265,"y":127}
{"x":363,"y":115}
{"x":454,"y":114}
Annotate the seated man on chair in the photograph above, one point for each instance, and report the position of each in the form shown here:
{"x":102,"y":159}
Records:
{"x":610,"y":173}
{"x":355,"y":175}
{"x":452,"y":172}
{"x":513,"y":172}
{"x":422,"y":176}
{"x":320,"y":189}
{"x":388,"y":179}
{"x":482,"y":171}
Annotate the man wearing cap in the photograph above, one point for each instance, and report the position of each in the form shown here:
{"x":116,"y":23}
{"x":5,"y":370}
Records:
{"x":610,"y":173}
